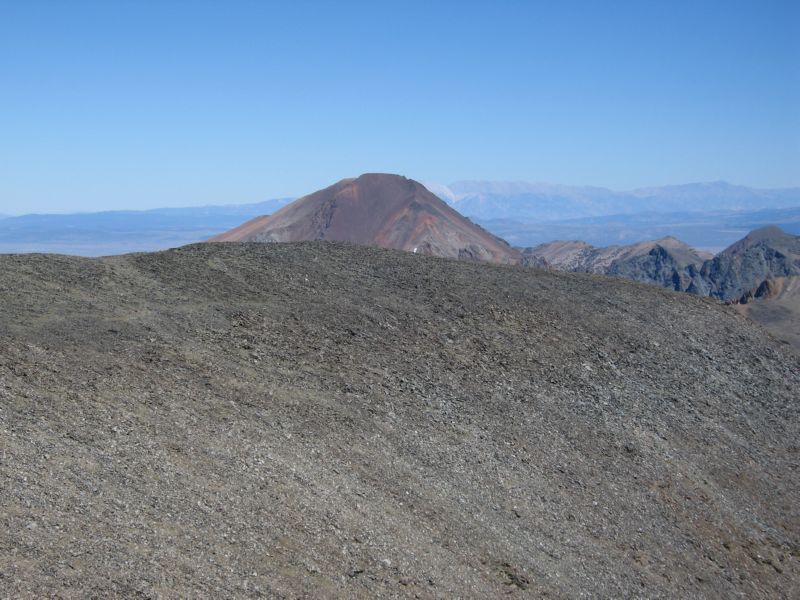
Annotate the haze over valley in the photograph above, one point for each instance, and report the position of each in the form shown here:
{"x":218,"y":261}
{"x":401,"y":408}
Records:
{"x":706,"y":216}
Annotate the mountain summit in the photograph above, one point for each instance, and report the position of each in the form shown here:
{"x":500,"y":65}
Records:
{"x":764,"y":253}
{"x":377,"y":209}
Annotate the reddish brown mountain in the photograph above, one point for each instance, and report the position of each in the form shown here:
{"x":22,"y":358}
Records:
{"x":377,"y":209}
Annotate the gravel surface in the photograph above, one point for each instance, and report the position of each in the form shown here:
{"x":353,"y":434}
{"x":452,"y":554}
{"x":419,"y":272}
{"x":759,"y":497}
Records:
{"x":325,"y":420}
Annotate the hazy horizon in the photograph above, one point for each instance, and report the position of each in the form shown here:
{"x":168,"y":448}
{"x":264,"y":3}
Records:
{"x":433,"y":186}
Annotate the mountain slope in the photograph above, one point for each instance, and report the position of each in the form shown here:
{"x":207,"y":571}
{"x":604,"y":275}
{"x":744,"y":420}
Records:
{"x":775,"y":304}
{"x":330,"y":420}
{"x":375,"y":209}
{"x":764,"y":253}
{"x":666,"y":262}
{"x":566,"y":255}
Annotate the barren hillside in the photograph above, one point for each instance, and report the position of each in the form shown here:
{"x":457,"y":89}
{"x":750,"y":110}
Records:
{"x":329,"y":420}
{"x":378,"y":209}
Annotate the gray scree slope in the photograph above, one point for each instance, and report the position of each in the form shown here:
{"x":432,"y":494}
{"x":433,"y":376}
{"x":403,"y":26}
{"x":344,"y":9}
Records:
{"x":326,"y":420}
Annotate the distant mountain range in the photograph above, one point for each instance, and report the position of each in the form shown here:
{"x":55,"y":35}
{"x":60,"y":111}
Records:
{"x":705,"y":215}
{"x":709,"y":230}
{"x":666,"y":262}
{"x":118,"y":232}
{"x":764,"y":253}
{"x":537,"y":202}
{"x":764,"y":267}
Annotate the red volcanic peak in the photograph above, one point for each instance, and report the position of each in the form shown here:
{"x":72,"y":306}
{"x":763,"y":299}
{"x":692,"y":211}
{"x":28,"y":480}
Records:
{"x":376,"y":209}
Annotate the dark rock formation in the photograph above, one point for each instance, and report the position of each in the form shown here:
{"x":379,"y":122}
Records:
{"x":765,"y":253}
{"x":661,"y":267}
{"x":666,"y":262}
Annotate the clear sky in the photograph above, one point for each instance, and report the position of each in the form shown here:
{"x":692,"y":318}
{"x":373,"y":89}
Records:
{"x":146,"y":103}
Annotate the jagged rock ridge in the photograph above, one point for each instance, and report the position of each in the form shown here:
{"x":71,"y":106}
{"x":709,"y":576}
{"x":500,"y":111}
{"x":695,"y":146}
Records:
{"x":765,"y":253}
{"x":666,"y":262}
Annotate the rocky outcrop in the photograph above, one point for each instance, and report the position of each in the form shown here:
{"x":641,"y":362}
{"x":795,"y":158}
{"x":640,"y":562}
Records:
{"x":565,"y":255}
{"x":661,"y":267}
{"x":767,"y":289}
{"x":531,"y":260}
{"x":666,"y":262}
{"x":765,"y":253}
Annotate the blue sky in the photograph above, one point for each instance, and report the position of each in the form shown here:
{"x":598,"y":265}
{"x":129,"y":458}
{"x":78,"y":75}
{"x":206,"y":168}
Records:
{"x":138,"y":104}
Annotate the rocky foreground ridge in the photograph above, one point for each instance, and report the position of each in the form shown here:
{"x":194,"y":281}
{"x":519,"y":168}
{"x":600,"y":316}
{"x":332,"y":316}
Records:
{"x":330,"y":420}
